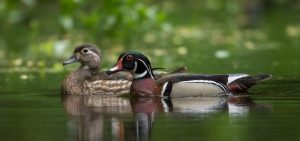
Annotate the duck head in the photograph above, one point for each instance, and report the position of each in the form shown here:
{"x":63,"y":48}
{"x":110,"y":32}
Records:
{"x":136,"y":63}
{"x":89,"y":56}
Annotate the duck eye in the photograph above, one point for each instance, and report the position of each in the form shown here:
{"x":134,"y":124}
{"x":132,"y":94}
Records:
{"x":84,"y":51}
{"x":129,"y":57}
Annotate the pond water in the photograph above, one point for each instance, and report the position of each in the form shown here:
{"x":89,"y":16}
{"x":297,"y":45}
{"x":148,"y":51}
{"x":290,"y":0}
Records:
{"x":33,"y":109}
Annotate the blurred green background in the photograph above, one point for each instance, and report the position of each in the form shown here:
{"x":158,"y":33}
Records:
{"x":207,"y":36}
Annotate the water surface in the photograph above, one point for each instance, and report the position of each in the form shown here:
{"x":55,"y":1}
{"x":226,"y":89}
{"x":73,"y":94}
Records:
{"x":33,"y":109}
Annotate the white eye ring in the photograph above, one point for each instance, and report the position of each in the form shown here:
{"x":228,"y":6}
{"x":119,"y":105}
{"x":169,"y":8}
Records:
{"x":85,"y":51}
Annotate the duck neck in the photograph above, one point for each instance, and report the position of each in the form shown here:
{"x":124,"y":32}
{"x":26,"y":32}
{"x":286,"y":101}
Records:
{"x":143,"y":75}
{"x":142,"y":71}
{"x":140,"y":75}
{"x":81,"y":75}
{"x":88,"y":71}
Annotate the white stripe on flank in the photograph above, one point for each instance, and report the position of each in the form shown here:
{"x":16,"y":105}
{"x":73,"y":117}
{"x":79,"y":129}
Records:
{"x":163,"y":89}
{"x":225,"y":89}
{"x":233,"y":77}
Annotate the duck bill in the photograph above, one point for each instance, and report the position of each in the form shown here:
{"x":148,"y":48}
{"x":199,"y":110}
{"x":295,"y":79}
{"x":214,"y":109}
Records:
{"x":72,"y":59}
{"x":117,"y":67}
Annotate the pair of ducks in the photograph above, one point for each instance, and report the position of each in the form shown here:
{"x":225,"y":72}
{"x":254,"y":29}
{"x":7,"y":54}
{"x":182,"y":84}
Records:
{"x":134,"y":74}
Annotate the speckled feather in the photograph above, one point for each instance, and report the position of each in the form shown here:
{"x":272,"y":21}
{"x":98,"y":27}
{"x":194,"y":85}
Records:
{"x":88,"y":80}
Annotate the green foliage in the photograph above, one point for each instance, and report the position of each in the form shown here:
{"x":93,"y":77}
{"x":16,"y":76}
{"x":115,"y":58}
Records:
{"x":46,"y":30}
{"x":40,"y":34}
{"x":122,"y":20}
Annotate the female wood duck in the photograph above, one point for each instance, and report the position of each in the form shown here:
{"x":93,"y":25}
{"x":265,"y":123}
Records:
{"x":87,"y":79}
{"x":181,"y":84}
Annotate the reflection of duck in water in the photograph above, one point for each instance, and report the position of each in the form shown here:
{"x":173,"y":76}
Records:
{"x":92,"y":115}
{"x":95,"y":117}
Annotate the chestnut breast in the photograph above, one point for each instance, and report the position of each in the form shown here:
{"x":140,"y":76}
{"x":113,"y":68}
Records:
{"x":145,"y":87}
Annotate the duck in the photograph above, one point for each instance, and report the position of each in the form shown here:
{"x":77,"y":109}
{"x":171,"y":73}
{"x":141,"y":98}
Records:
{"x":145,"y":84}
{"x":89,"y":79}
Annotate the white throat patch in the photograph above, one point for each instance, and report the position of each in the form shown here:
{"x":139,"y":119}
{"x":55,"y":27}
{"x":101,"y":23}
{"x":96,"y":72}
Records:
{"x":137,"y":76}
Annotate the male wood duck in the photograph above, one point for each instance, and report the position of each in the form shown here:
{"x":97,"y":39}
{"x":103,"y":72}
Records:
{"x":87,"y":79}
{"x":182,"y":84}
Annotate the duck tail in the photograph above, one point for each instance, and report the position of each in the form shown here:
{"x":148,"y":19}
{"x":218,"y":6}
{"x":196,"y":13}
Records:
{"x":244,"y":83}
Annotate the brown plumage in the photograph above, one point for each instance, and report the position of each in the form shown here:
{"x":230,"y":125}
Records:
{"x":87,"y":79}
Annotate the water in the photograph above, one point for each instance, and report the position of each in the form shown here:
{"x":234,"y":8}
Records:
{"x":33,"y":109}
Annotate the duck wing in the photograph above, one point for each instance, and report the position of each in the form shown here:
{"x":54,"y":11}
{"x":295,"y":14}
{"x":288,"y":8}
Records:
{"x":159,"y":74}
{"x":179,"y":77}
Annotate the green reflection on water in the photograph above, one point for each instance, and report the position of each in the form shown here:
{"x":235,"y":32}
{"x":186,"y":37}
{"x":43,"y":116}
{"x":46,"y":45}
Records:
{"x":33,"y":110}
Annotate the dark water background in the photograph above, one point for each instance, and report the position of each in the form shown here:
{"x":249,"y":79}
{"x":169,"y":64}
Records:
{"x":207,"y":37}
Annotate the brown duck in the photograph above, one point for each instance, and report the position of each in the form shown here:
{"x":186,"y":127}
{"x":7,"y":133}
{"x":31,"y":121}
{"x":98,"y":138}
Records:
{"x":87,"y":79}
